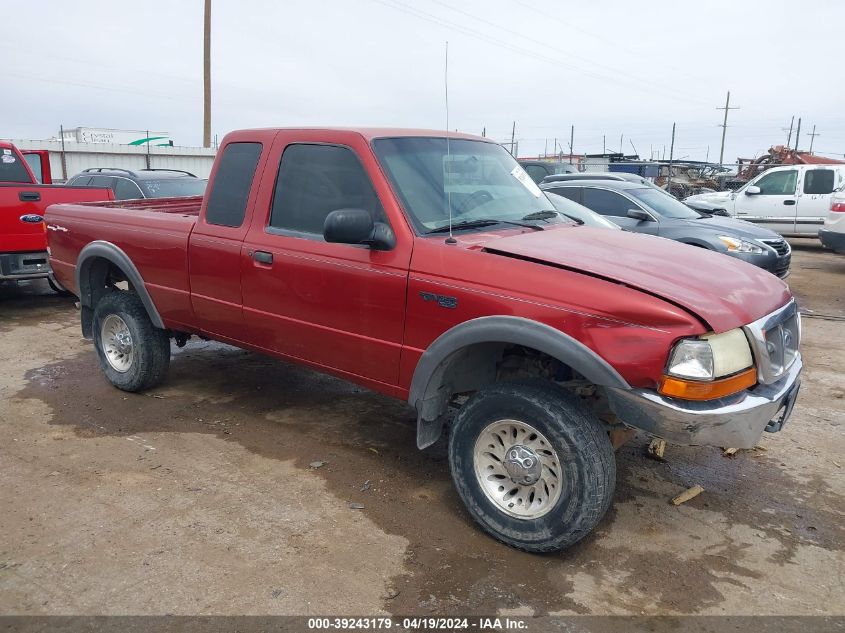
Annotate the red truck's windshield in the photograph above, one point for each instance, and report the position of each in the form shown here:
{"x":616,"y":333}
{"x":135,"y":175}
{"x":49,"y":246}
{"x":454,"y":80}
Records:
{"x":479,"y":180}
{"x":12,"y":168}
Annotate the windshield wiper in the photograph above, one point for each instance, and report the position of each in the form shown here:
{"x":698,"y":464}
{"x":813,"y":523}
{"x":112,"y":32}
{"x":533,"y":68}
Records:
{"x":577,"y":221}
{"x":542,"y":215}
{"x":471,"y":224}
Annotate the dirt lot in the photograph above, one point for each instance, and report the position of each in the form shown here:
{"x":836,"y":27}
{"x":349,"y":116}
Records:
{"x":200,"y":497}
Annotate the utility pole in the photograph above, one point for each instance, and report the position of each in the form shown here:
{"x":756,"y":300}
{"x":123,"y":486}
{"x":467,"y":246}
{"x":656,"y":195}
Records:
{"x":604,"y":143}
{"x":620,"y":143}
{"x":546,"y":148}
{"x":635,"y":149}
{"x":206,"y":71}
{"x":813,"y":136}
{"x":797,"y":133}
{"x":64,"y":157}
{"x":554,"y":148}
{"x":571,"y":142}
{"x":484,"y":132}
{"x":724,"y":125}
{"x":513,"y":135}
{"x":671,"y":152}
{"x":789,"y":136}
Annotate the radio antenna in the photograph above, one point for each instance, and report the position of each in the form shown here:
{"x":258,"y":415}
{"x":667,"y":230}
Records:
{"x":450,"y":239}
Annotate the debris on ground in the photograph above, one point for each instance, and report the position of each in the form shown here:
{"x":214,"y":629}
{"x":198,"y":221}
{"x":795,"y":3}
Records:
{"x":688,"y":494}
{"x":356,"y":506}
{"x":729,"y":452}
{"x":366,"y":486}
{"x":656,"y":448}
{"x":370,"y":448}
{"x":317,"y":464}
{"x":620,"y":437}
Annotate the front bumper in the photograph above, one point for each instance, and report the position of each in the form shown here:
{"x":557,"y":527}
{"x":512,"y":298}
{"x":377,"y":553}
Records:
{"x":736,"y":421}
{"x":34,"y":265}
{"x":832,"y":240}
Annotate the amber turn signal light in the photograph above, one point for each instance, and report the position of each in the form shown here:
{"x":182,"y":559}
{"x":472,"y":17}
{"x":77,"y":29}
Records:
{"x":699,"y":390}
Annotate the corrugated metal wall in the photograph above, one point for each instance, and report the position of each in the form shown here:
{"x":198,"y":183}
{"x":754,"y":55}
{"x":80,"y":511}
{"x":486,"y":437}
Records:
{"x":79,"y":156}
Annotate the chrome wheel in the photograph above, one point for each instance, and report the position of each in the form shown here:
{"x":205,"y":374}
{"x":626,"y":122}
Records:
{"x":116,"y":340}
{"x":517,"y":469}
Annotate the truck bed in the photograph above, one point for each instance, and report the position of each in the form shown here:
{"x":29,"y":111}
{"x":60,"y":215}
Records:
{"x":184,"y":206}
{"x":153,"y":233}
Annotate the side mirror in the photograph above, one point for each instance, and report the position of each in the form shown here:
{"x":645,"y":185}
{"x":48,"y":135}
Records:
{"x":356,"y":226}
{"x":752,"y":190}
{"x":639,"y":214}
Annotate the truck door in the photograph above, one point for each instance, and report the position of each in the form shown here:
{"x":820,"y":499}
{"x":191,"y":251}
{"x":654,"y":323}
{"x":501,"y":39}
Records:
{"x":215,"y":244}
{"x":776,"y":204}
{"x":337,"y":306}
{"x":816,"y":185}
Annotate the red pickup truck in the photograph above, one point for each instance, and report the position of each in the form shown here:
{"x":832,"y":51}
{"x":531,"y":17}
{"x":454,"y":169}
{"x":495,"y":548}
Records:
{"x":431,"y":268}
{"x":23,"y":240}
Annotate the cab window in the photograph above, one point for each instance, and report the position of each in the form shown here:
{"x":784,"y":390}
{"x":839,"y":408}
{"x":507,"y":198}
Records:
{"x":313,"y":181}
{"x":818,"y":181}
{"x":778,"y":183}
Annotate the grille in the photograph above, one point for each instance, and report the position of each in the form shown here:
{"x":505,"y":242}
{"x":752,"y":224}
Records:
{"x":775,"y":339}
{"x":781,"y":247}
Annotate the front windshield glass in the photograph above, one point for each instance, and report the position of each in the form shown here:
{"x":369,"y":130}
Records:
{"x":174,"y":187}
{"x":667,"y":206}
{"x":578,"y":212}
{"x":480,"y":180}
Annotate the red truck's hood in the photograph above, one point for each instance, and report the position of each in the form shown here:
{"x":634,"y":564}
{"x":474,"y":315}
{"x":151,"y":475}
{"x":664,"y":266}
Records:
{"x":723,"y":291}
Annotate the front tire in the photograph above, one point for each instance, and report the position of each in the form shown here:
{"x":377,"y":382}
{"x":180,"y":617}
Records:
{"x":534,"y":467}
{"x":133,"y":353}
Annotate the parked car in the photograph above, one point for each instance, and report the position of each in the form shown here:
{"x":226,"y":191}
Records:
{"x":792,"y":199}
{"x":539,"y":169}
{"x":641,"y":209}
{"x":832,"y":234}
{"x":578,"y":213}
{"x":142,"y":183}
{"x":23,"y":239}
{"x":441,"y":277}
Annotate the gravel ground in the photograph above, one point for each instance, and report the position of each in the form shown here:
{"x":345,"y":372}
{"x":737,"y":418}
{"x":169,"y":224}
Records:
{"x":206,"y":495}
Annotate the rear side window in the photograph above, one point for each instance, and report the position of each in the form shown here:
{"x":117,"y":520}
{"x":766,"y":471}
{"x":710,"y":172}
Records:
{"x":11,"y":167}
{"x":125,"y":189}
{"x":34,"y":162}
{"x":818,"y":181}
{"x":607,"y":202}
{"x":568,"y":192}
{"x":106,"y":182}
{"x":229,"y":193}
{"x":315,"y":180}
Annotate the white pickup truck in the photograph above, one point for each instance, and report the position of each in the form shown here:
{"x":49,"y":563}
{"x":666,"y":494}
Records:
{"x":793,"y":200}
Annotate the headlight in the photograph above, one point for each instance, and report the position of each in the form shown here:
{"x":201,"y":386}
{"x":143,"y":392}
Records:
{"x":710,"y":366}
{"x":739,"y":245}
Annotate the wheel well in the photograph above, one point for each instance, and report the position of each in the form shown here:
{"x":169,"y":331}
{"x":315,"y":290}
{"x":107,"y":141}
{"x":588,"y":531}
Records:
{"x":98,"y":277}
{"x":477,"y":365}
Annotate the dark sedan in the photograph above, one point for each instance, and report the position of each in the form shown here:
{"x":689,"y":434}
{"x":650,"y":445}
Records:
{"x":643,"y":209}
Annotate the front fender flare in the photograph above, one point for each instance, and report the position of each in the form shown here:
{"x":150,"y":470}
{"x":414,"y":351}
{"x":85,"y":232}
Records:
{"x":425,"y":393}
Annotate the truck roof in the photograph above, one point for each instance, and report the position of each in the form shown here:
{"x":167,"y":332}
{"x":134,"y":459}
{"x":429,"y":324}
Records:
{"x":371,"y":133}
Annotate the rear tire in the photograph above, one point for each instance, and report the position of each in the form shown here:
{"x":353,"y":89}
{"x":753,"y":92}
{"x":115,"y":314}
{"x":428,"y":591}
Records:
{"x":133,"y":353}
{"x":496,"y":443}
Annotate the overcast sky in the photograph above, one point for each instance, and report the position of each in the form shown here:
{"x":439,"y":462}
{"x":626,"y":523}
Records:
{"x":609,"y":68}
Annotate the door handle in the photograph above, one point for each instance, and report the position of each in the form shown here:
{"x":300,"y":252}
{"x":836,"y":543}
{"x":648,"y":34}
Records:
{"x":263,"y":257}
{"x":789,"y":203}
{"x":29,"y":196}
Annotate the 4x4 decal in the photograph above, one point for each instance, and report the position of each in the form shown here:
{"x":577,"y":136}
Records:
{"x":442,"y":300}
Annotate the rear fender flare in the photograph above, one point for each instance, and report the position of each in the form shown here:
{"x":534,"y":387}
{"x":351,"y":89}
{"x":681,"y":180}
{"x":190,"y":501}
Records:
{"x":430,"y":399}
{"x":98,"y":250}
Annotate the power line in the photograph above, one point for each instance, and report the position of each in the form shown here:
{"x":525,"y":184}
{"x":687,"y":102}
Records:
{"x":490,"y":39}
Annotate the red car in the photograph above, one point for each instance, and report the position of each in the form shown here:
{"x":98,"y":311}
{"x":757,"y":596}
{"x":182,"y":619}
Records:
{"x":432,"y":269}
{"x":23,"y":239}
